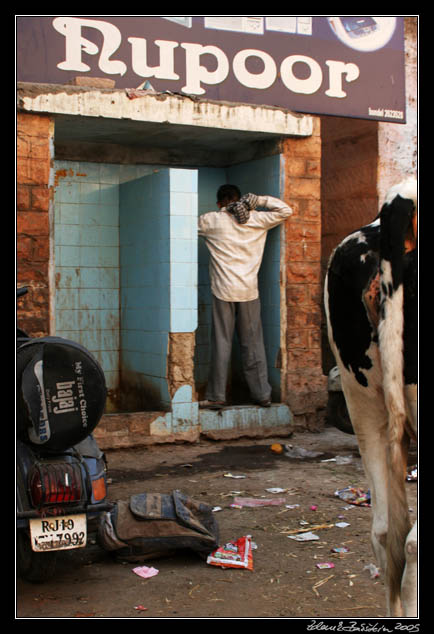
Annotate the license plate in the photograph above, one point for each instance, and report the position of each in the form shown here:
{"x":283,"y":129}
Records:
{"x":58,"y":533}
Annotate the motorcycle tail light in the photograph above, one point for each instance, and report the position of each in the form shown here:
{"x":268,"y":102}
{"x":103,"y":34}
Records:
{"x":55,"y":483}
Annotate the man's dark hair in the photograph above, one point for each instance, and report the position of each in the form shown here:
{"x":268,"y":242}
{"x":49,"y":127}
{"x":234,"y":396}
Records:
{"x":228,"y":193}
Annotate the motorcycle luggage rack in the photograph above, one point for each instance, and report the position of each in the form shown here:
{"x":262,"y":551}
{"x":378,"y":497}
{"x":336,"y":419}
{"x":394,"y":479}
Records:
{"x":82,"y":508}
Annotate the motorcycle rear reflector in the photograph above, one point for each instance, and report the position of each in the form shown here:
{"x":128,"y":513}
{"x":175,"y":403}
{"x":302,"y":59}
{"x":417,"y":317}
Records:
{"x":99,"y":490}
{"x":55,"y":483}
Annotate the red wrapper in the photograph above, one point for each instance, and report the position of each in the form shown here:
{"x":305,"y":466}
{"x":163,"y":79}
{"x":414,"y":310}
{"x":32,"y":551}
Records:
{"x":235,"y":554}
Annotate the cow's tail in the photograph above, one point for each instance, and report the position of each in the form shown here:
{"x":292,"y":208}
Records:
{"x":396,"y":221}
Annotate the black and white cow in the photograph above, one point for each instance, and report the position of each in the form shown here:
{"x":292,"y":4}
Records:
{"x":371,"y":308}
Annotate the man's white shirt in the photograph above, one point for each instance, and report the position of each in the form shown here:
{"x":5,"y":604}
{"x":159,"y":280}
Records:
{"x":236,"y":250}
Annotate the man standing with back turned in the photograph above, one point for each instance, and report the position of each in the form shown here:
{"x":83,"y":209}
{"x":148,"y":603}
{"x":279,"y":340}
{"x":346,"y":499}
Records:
{"x":235,"y":236}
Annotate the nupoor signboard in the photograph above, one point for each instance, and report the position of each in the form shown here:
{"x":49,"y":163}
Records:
{"x":341,"y":65}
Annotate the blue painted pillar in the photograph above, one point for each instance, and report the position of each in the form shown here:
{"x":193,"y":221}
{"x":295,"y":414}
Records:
{"x":158,"y":272}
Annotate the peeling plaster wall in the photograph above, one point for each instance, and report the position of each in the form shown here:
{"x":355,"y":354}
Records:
{"x":180,"y":360}
{"x":160,"y":108}
{"x":397,"y":144}
{"x":35,"y":221}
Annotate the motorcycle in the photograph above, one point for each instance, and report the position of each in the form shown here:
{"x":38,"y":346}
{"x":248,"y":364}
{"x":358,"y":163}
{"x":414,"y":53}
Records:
{"x":61,"y":483}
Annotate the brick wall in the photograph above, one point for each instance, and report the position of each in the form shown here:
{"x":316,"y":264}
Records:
{"x":304,"y":389}
{"x":34,"y":156}
{"x":349,"y":197}
{"x":305,"y":383}
{"x":349,"y":178}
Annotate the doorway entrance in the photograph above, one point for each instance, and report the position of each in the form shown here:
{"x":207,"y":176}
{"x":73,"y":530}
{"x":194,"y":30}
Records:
{"x":130,"y":271}
{"x":262,"y":177}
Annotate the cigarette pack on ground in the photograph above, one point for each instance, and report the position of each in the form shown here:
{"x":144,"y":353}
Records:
{"x":234,"y":554}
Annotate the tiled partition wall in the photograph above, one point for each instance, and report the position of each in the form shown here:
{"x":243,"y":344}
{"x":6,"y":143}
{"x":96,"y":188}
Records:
{"x":158,"y":265}
{"x":86,"y":231}
{"x":126,"y":268}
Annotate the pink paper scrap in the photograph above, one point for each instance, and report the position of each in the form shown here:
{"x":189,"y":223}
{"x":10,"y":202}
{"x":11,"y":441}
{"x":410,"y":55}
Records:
{"x":145,"y":572}
{"x":238,"y":502}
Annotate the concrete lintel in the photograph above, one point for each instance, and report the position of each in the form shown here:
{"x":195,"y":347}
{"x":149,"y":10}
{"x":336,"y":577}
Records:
{"x":166,"y":108}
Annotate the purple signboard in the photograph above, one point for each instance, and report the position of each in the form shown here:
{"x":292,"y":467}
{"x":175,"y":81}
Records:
{"x":349,"y":66}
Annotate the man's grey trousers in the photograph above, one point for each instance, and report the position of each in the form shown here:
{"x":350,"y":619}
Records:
{"x":246,"y":318}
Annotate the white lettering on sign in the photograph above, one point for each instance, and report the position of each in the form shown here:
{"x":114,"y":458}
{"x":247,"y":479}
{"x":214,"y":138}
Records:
{"x":303,"y":86}
{"x":381,"y":112}
{"x":254,"y":80}
{"x":196,"y":73}
{"x":337,"y":69}
{"x":75,"y":43}
{"x":139,"y":56}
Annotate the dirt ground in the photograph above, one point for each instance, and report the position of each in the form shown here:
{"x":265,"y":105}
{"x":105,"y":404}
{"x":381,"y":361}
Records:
{"x":285,"y":581}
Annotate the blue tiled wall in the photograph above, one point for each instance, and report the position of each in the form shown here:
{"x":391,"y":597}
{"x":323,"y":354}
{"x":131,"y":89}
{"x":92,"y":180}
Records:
{"x":158,"y":264}
{"x":144,"y":270}
{"x":183,"y":249}
{"x":86,"y":259}
{"x":125,"y":263}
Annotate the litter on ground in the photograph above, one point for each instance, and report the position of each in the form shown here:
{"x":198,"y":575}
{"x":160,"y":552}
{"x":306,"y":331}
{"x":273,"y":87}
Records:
{"x":145,"y":572}
{"x":354,"y":495}
{"x":340,"y":459}
{"x":319,"y":584}
{"x":373,"y":571}
{"x":234,"y":554}
{"x":275,"y":490}
{"x":277,"y":448}
{"x":300,"y":453}
{"x":241,"y":502}
{"x":412,"y":475}
{"x":340,"y":550}
{"x":311,"y":528}
{"x":304,"y":537}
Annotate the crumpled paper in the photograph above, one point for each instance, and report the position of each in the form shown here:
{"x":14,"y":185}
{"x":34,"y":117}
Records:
{"x":353,"y":495}
{"x":145,"y":572}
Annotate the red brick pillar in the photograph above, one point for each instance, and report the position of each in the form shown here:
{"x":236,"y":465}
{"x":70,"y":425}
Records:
{"x":305,"y":390}
{"x":34,"y":157}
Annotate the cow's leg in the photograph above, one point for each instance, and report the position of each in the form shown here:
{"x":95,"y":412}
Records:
{"x":369,"y":417}
{"x":373,"y":449}
{"x":410,"y":392}
{"x":409,"y":578}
